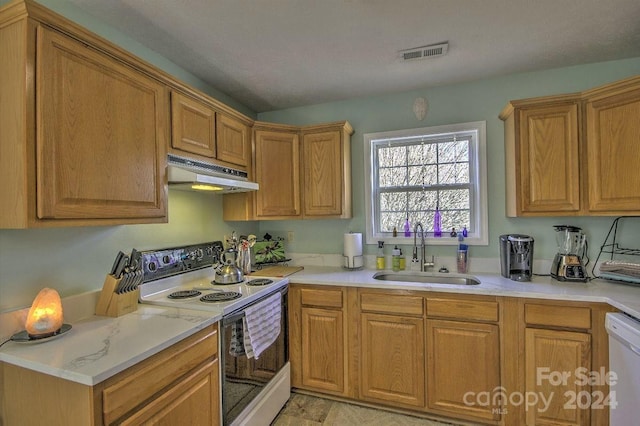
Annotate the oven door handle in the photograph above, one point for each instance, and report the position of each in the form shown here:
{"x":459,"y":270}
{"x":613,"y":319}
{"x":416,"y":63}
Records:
{"x":233,"y":318}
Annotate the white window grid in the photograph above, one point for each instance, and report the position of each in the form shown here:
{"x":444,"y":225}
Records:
{"x":470,"y":213}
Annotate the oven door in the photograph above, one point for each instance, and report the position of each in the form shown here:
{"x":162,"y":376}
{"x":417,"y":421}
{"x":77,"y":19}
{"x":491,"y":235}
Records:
{"x":243,"y":379}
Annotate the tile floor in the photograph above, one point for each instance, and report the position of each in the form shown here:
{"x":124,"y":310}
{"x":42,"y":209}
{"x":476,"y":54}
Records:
{"x":305,"y":410}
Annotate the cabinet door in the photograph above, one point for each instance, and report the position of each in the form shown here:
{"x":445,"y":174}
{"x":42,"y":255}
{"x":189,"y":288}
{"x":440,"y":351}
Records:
{"x":323,"y":174}
{"x":102,"y":131}
{"x":613,"y":152}
{"x":469,"y":353}
{"x":548,"y":158}
{"x":323,"y":353}
{"x":392,"y":359}
{"x":278,"y":173}
{"x":193,"y":400}
{"x":192,"y":126}
{"x":551,"y":360}
{"x":233,"y":143}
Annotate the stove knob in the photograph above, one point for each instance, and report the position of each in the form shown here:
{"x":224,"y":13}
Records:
{"x":152,"y":266}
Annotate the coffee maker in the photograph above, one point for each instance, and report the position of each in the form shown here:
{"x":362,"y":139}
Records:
{"x":516,"y":257}
{"x":572,"y":248}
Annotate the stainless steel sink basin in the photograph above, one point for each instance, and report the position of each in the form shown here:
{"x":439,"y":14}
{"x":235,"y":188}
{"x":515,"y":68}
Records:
{"x":426,"y":277}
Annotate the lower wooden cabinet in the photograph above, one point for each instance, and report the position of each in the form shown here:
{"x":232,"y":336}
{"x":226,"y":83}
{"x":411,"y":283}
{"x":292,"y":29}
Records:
{"x":179,"y":385}
{"x":552,"y":359}
{"x":194,"y":398}
{"x":468,"y":357}
{"x":392,"y":359}
{"x":317,"y":339}
{"x":463,"y":363}
{"x":566,"y":360}
{"x":322,"y":349}
{"x":391,"y":347}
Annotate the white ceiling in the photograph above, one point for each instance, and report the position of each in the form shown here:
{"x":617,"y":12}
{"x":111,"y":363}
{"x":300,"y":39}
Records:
{"x":275,"y":54}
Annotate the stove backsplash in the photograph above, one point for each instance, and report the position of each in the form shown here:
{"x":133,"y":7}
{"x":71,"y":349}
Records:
{"x":171,"y":261}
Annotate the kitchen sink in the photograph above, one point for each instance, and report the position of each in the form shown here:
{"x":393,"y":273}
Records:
{"x":427,"y":278}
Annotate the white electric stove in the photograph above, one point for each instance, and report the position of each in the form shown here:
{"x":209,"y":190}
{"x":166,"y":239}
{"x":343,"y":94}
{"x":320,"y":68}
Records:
{"x":253,"y":389}
{"x":196,"y":290}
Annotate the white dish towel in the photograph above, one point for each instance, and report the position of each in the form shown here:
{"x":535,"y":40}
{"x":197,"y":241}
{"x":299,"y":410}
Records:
{"x":261,"y":325}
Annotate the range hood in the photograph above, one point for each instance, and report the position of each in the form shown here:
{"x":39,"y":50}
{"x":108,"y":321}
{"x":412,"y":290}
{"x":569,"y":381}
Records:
{"x":194,"y":175}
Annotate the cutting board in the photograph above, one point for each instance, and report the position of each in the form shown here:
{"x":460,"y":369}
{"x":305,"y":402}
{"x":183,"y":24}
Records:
{"x":278,"y":271}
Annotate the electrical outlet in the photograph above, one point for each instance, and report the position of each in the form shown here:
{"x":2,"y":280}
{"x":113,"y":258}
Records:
{"x":290,"y":236}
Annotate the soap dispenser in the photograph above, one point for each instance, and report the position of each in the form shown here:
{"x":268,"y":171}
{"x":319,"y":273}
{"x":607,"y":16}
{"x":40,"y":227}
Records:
{"x":380,"y":263}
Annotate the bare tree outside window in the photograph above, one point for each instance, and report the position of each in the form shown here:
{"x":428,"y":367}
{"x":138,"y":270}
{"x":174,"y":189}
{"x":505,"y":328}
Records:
{"x":413,"y":172}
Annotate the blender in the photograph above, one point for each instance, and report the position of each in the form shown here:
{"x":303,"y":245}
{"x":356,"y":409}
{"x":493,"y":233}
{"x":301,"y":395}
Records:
{"x":572,"y":248}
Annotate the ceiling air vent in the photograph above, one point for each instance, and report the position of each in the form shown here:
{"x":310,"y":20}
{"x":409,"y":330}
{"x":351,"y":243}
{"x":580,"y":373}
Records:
{"x":424,"y":52}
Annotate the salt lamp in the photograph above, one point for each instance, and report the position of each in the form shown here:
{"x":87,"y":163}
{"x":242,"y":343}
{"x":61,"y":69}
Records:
{"x":45,"y":316}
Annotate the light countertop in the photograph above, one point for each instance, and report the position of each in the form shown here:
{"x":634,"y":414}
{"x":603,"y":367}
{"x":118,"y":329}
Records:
{"x":99,"y":347}
{"x":621,"y":296}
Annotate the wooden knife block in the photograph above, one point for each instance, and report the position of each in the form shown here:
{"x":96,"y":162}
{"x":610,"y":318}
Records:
{"x":114,"y":305}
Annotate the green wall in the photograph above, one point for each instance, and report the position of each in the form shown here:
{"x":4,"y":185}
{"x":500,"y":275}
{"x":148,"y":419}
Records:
{"x":472,"y":101}
{"x":75,"y":260}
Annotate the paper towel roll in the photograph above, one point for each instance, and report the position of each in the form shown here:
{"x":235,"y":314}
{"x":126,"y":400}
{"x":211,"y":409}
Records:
{"x":353,"y":250}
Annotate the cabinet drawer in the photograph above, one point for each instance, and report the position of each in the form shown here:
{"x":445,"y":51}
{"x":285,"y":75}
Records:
{"x":391,"y":303}
{"x":139,"y":383}
{"x":558,"y":316}
{"x":177,"y":404}
{"x":328,"y":298}
{"x":463,"y":309}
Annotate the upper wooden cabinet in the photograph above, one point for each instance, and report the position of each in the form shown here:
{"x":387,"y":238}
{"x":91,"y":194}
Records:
{"x":613,"y":147}
{"x":277,"y":167}
{"x":193,"y":126}
{"x":82,"y":135}
{"x":326,"y":171}
{"x":543,"y":158}
{"x":574,"y":154}
{"x":197,"y":128}
{"x":303,"y":173}
{"x":233,"y":140}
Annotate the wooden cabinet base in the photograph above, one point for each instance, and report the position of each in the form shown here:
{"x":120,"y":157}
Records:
{"x":458,"y":357}
{"x":179,"y":385}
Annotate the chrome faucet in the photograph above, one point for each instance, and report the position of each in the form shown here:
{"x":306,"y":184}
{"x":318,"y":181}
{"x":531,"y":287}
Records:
{"x":414,"y":259}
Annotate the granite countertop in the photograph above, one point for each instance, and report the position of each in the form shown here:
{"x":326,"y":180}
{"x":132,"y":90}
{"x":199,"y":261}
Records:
{"x":99,"y":347}
{"x":621,"y":296}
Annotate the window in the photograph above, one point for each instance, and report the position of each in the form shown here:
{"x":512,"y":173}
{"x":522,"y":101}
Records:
{"x":410,"y":173}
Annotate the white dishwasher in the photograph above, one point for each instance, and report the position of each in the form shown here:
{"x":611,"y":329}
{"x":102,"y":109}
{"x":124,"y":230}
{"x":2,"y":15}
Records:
{"x":624,"y":360}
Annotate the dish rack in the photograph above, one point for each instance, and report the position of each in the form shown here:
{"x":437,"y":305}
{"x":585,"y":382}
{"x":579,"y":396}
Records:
{"x":621,"y":266}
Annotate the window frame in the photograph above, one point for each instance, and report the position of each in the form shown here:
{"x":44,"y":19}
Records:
{"x":477,"y":163}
